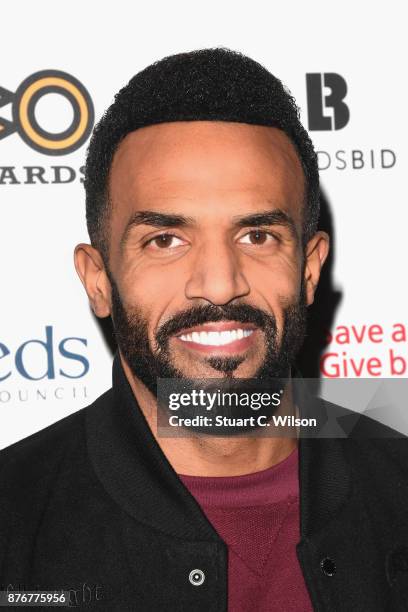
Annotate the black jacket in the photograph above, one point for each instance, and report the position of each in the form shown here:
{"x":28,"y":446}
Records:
{"x":91,"y":505}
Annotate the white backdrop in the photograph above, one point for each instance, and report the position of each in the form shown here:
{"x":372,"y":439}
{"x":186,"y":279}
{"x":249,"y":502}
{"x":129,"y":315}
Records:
{"x":102,"y":45}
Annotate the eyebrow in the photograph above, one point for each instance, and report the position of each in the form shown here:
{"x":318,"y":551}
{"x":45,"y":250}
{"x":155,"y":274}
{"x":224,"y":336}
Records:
{"x":155,"y":219}
{"x":268,"y":217}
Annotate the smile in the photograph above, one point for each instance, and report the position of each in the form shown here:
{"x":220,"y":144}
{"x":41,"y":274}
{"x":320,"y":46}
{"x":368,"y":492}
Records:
{"x":214,"y":338}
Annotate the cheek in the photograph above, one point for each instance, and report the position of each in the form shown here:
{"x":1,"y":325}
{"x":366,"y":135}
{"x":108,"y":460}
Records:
{"x":275,"y":286}
{"x":155,"y":293}
{"x":277,"y":282}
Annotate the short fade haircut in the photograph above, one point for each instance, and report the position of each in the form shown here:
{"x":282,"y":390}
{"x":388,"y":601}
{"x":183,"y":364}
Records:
{"x":204,"y":85}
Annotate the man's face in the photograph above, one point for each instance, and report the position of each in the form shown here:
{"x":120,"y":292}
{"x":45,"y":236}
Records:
{"x":206,"y":251}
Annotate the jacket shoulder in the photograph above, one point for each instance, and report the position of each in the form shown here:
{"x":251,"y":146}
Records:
{"x":370,"y":441}
{"x":42,"y":477}
{"x":35,"y":456}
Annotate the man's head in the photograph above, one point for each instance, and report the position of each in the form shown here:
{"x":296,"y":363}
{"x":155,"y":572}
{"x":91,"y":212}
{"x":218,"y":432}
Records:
{"x":202,"y":204}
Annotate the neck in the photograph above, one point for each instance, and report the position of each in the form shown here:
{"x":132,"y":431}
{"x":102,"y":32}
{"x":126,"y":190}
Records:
{"x":205,"y":455}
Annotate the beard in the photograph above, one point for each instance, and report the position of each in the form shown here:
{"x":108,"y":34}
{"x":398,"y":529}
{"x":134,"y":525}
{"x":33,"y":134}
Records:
{"x":148,"y":365}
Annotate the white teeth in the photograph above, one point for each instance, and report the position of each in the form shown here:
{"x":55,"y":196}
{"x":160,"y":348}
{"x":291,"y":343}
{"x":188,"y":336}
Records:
{"x":214,"y":338}
{"x":210,"y":337}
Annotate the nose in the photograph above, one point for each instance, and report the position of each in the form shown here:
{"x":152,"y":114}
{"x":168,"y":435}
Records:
{"x":217,"y":276}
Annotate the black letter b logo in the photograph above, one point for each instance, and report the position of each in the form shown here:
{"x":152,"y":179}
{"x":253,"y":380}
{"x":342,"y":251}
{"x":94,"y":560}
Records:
{"x":317,"y":102}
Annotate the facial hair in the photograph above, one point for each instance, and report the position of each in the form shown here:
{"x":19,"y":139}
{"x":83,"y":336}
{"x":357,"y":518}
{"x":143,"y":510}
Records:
{"x":131,"y":333}
{"x":148,"y":365}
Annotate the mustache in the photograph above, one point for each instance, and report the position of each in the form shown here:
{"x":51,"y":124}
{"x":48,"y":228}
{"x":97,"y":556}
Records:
{"x":209,"y":313}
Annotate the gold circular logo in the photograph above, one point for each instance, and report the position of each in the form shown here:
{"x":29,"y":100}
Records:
{"x":25,"y":101}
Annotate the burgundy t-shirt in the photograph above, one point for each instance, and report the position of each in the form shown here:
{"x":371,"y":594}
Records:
{"x":257,"y":516}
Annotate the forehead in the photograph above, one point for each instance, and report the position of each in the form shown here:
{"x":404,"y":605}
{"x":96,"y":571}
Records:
{"x":174,"y":165}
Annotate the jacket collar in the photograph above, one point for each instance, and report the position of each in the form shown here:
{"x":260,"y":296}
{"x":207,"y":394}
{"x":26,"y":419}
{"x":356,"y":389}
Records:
{"x":325,"y":481}
{"x":137,"y":475}
{"x":134,"y":470}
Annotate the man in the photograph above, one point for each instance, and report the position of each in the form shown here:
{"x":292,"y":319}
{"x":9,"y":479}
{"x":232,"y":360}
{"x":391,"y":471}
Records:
{"x":202,"y":199}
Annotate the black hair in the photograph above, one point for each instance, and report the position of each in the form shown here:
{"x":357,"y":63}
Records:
{"x":209,"y":84}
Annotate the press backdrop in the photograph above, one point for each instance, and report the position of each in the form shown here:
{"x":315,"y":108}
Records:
{"x":60,"y":67}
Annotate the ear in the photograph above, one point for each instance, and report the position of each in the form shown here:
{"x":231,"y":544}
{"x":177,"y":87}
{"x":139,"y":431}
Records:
{"x":317,"y":250}
{"x":91,"y":270}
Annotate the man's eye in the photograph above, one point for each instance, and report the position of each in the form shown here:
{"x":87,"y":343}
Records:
{"x":164,"y":241}
{"x":257,"y":237}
